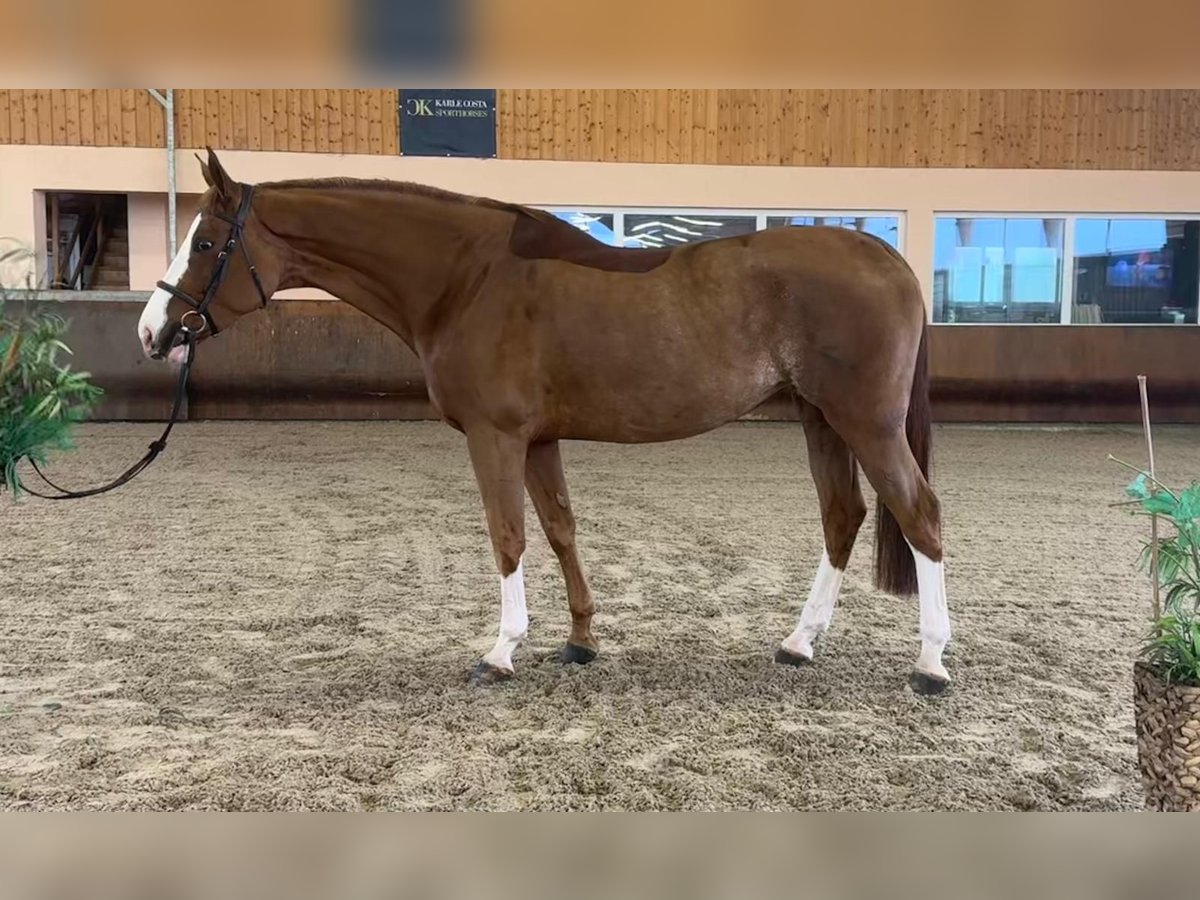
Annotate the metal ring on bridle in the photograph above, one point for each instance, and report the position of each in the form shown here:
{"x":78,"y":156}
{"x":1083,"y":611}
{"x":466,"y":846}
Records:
{"x":183,"y":321}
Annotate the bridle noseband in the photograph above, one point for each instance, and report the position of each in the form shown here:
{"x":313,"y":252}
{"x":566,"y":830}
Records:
{"x":199,"y":308}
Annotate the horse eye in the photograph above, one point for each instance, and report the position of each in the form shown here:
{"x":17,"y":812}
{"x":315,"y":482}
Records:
{"x":201,"y":246}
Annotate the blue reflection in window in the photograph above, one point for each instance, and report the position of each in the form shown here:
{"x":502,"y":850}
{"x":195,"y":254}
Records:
{"x":997,"y":269}
{"x":1094,"y":237}
{"x":598,"y":225}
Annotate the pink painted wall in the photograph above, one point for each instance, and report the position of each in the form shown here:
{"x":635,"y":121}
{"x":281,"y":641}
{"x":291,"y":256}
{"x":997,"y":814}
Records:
{"x":916,"y":194}
{"x":147,"y":240}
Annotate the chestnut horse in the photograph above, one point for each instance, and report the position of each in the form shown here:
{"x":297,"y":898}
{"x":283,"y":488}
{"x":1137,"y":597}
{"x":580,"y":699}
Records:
{"x":531,"y":332}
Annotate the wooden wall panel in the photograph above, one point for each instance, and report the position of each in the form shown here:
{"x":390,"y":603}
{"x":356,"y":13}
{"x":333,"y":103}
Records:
{"x":321,"y":120}
{"x":100,"y":112}
{"x":5,"y":122}
{"x":1085,"y":129}
{"x":1072,"y":129}
{"x":116,"y":136}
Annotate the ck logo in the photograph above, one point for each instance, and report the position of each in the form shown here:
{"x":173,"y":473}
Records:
{"x":445,"y":122}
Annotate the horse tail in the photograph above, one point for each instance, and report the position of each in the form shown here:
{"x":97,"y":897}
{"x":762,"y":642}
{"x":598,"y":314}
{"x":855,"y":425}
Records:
{"x":895,"y":569}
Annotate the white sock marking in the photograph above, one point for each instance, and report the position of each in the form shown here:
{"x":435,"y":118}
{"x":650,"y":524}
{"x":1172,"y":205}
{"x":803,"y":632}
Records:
{"x":514,"y":620}
{"x":935,"y":616}
{"x":154,"y":315}
{"x":818,"y":609}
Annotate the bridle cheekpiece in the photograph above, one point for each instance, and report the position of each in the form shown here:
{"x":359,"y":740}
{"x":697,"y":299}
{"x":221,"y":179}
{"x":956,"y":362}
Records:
{"x":199,"y":308}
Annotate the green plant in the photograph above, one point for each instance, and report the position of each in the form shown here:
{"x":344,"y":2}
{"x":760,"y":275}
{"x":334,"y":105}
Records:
{"x":1172,"y":646}
{"x":40,"y":399}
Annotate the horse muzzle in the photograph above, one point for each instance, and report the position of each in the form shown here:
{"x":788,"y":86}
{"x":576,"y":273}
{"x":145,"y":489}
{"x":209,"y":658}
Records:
{"x":171,"y":344}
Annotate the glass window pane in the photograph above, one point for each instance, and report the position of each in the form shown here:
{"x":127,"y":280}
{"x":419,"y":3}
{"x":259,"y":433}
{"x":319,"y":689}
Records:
{"x":997,"y":270}
{"x":1136,"y":271}
{"x":598,"y":225}
{"x":887,"y":228}
{"x":668,"y":229}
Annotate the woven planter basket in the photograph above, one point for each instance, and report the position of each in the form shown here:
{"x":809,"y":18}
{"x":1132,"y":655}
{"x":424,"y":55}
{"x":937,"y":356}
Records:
{"x":1168,"y":732}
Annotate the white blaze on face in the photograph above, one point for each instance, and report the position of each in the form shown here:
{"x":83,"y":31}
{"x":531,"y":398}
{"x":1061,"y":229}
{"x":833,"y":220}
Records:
{"x":154,"y":316}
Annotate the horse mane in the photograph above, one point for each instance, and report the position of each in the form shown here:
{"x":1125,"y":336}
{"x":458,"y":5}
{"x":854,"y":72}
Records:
{"x":410,"y":188}
{"x":536,"y":233}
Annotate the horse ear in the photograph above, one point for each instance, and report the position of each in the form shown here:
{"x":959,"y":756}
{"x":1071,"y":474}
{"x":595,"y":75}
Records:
{"x":217,"y":177}
{"x":204,"y":170}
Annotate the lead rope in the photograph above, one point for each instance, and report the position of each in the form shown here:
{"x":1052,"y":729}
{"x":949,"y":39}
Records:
{"x":152,"y":453}
{"x":198,"y":309}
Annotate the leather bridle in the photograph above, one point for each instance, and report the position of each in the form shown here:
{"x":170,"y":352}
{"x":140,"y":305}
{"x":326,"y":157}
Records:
{"x":187,"y":335}
{"x":199,"y":308}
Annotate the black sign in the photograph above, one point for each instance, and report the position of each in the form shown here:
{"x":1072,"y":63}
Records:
{"x":448,"y":123}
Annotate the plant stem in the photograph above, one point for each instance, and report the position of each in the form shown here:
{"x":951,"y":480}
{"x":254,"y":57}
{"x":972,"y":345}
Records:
{"x":10,"y":358}
{"x":1158,"y":484}
{"x":1153,"y":518}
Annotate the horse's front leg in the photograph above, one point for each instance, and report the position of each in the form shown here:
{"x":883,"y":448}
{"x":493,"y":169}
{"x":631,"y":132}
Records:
{"x":548,"y":489}
{"x":499,"y":463}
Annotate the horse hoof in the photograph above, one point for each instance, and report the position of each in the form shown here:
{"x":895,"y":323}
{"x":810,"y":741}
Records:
{"x":574,"y":653}
{"x":485,"y":673}
{"x":927,"y":685}
{"x":787,"y":658}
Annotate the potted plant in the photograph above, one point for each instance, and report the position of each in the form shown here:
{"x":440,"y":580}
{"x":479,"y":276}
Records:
{"x":1167,"y":672}
{"x":40,"y":399}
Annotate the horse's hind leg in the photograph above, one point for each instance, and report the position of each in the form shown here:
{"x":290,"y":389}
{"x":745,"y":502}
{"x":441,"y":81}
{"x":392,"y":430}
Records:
{"x":894,"y":473}
{"x":842,"y":511}
{"x":548,"y":490}
{"x":499,"y":461}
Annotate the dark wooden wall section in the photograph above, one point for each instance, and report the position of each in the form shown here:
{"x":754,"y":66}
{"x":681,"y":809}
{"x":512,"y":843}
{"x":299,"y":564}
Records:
{"x":1074,"y":373}
{"x":307,"y":359}
{"x":322,"y":360}
{"x":103,"y":342}
{"x":1039,"y":129}
{"x":304,"y":359}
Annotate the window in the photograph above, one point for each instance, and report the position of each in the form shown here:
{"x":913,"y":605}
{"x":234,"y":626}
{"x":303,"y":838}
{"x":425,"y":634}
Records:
{"x":886,"y":228}
{"x":664,"y":229}
{"x":998,"y":269}
{"x":668,"y":227}
{"x":87,"y":241}
{"x":601,"y":226}
{"x":1136,"y":271}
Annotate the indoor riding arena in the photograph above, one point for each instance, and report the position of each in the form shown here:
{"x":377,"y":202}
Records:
{"x":296,"y":606}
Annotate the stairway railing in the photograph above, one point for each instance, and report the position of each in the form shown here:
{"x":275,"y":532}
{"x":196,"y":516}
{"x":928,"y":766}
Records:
{"x":90,"y":236}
